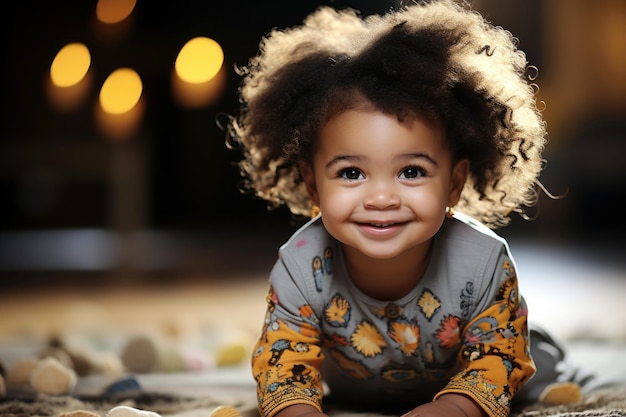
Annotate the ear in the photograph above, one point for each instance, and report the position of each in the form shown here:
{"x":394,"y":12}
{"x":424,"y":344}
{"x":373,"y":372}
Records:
{"x":308,"y":176}
{"x":460,"y":172}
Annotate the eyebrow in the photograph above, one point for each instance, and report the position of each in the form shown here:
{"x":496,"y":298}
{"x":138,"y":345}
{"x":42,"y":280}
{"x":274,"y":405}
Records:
{"x":340,"y":158}
{"x":350,"y":158}
{"x":419,"y":155}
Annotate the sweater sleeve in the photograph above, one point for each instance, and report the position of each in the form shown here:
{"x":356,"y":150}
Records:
{"x":495,"y":355}
{"x":287,"y":358}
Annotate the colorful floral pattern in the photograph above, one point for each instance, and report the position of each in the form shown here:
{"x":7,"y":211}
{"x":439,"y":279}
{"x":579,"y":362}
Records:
{"x":490,"y":350}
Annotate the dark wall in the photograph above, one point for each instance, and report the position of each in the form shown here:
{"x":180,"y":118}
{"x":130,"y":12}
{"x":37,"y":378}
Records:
{"x":56,"y":169}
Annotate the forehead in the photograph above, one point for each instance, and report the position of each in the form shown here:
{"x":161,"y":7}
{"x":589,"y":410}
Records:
{"x":367,"y":129}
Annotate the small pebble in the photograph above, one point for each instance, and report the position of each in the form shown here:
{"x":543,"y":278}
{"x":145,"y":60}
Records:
{"x":59,"y":354}
{"x":140,"y":354}
{"x":51,"y":377}
{"x":81,"y":361}
{"x":18,"y":375}
{"x":171,"y":360}
{"x":3,"y":376}
{"x":129,"y":383}
{"x":107,"y":363}
{"x":79,"y":413}
{"x":560,"y":393}
{"x":225,"y":411}
{"x":125,"y":411}
{"x":196,"y":360}
{"x":231,"y":354}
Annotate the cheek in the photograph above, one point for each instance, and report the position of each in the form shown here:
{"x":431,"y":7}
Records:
{"x":336,"y":199}
{"x":428,"y":201}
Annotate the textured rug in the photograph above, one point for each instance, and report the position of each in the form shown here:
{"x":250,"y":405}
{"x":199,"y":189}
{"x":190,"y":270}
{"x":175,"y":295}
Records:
{"x":163,"y":404}
{"x":605,"y":402}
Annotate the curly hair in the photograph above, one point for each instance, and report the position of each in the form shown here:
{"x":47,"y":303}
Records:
{"x":438,"y":59}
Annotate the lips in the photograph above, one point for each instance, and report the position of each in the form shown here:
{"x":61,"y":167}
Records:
{"x":381,"y":224}
{"x":380,"y":229}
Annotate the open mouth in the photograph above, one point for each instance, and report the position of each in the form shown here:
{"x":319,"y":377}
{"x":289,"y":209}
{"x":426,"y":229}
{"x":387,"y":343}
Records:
{"x":381,"y":229}
{"x":381,"y":225}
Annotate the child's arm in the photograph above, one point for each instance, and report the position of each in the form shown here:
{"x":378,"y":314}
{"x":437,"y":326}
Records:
{"x":287,"y":357}
{"x":495,"y":346}
{"x":448,"y":405}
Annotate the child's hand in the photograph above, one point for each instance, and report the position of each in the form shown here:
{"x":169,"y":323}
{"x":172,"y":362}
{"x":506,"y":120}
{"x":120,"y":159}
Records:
{"x":300,"y":410}
{"x":448,"y":405}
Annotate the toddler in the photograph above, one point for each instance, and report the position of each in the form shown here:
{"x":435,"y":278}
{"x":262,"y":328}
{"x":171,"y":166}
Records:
{"x":410,"y":136}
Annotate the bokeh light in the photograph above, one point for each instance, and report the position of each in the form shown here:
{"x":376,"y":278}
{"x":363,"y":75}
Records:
{"x":121,"y":91}
{"x":199,"y":60}
{"x":114,"y":11}
{"x":70,"y":65}
{"x":68,"y":99}
{"x":198,"y":95}
{"x":120,"y":127}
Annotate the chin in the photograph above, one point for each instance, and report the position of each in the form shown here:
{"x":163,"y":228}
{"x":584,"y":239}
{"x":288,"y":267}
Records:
{"x":382,"y":255}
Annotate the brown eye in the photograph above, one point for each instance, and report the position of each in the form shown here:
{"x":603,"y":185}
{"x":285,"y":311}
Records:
{"x":351,"y":174}
{"x":411,"y":173}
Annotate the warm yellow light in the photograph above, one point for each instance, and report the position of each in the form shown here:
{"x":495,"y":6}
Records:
{"x":199,"y":60}
{"x":67,"y":99}
{"x":70,"y":65}
{"x":120,"y":127}
{"x":113,"y":11}
{"x":197,"y":95}
{"x":121,"y":91}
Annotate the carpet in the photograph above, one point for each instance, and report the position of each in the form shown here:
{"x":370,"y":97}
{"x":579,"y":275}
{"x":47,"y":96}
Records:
{"x":163,"y":404}
{"x":603,"y":402}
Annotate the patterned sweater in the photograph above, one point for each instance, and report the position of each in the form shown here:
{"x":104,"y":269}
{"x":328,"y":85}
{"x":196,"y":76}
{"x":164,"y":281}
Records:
{"x":462,"y":329}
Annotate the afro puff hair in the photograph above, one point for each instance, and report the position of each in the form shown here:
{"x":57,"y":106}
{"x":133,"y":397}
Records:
{"x":437,"y":59}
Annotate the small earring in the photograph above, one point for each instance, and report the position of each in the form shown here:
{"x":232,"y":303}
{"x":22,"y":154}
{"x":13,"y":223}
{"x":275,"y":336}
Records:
{"x":315,"y":210}
{"x":450,"y":212}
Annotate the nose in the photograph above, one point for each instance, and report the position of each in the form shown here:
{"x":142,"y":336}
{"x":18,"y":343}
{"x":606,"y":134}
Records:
{"x":381,"y":196}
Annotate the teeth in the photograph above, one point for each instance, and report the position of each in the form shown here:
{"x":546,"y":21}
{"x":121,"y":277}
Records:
{"x":381,"y":224}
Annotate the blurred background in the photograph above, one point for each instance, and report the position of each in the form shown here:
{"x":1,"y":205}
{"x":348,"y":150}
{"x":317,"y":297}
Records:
{"x":114,"y":171}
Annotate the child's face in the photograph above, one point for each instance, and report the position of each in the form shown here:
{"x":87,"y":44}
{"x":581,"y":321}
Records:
{"x":382,"y":185}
